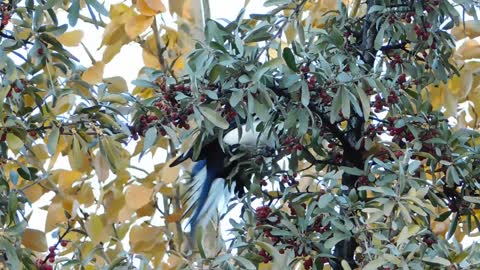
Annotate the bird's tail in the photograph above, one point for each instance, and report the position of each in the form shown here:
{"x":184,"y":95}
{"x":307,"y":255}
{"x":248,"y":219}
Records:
{"x":204,"y":196}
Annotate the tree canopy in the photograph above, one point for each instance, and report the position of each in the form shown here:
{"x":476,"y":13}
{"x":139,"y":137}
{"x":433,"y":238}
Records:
{"x":372,"y":108}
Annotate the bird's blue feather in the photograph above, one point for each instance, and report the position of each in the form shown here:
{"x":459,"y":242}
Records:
{"x":209,"y":177}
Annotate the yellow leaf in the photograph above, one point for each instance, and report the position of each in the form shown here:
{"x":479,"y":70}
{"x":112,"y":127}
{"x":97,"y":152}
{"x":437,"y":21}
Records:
{"x":63,"y":104}
{"x":116,"y":84}
{"x":436,"y":94}
{"x":143,"y":92}
{"x":111,"y":51}
{"x":85,"y":195}
{"x":114,"y":33}
{"x":156,"y":5}
{"x":118,"y":158}
{"x":101,"y":167}
{"x":113,"y":202}
{"x":55,"y":216}
{"x":138,"y":196}
{"x":471,"y":30}
{"x":96,"y":229}
{"x":125,"y":214}
{"x":34,"y":193}
{"x":137,"y":25}
{"x":470,"y":49}
{"x":177,"y":216}
{"x":14,"y":143}
{"x":71,"y":39}
{"x":146,"y":210}
{"x":179,"y":64}
{"x":94,"y":74}
{"x":68,"y":204}
{"x":150,"y":60}
{"x":34,"y":240}
{"x":167,"y":191}
{"x":40,"y":151}
{"x":143,"y":238}
{"x":460,"y":86}
{"x":169,"y":174}
{"x":176,"y":6}
{"x":150,"y":7}
{"x":67,"y":178}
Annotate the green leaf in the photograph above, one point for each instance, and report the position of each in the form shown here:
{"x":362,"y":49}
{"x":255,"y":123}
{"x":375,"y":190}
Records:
{"x":453,"y":226}
{"x":337,"y":237}
{"x":11,"y":255}
{"x":324,"y":200}
{"x":98,"y":7}
{"x":375,"y":264}
{"x":214,"y":117}
{"x":413,"y":166}
{"x":267,"y":66}
{"x":270,"y":3}
{"x":28,"y":173}
{"x":305,"y":94}
{"x":289,"y":59}
{"x":472,"y":199}
{"x":378,"y":43}
{"x":53,"y":140}
{"x":259,"y":34}
{"x":437,"y":260}
{"x":244,"y":262}
{"x":150,"y":138}
{"x":364,"y":100}
{"x":73,"y":12}
{"x":14,"y":143}
{"x":236,"y":97}
{"x":13,"y":177}
{"x":37,"y":17}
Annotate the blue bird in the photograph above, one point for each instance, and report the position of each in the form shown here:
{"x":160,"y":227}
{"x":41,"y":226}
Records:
{"x":208,"y":186}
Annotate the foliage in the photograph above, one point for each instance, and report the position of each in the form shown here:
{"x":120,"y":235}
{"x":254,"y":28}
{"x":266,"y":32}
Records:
{"x":356,"y":97}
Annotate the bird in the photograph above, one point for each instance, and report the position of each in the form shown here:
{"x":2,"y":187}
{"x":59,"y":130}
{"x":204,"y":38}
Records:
{"x":209,"y":183}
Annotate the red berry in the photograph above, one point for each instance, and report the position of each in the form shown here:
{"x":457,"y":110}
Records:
{"x":263,"y":212}
{"x":64,"y":243}
{"x":47,"y":267}
{"x":51,"y":259}
{"x":51,"y":249}
{"x":151,"y":118}
{"x":33,"y":133}
{"x":3,"y":137}
{"x":203,"y":98}
{"x":308,"y":263}
{"x":40,"y":51}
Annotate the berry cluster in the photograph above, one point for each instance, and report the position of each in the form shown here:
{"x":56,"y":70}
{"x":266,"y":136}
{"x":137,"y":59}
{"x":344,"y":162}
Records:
{"x":429,"y":240}
{"x":422,"y":32}
{"x":397,"y":60}
{"x":262,"y":213}
{"x":289,"y":179}
{"x":308,"y":263}
{"x":363,"y":181}
{"x":266,"y":257}
{"x":46,"y":264}
{"x":318,"y":227}
{"x":229,"y":114}
{"x":171,"y":108}
{"x":142,"y":126}
{"x":315,"y":88}
{"x":291,"y":144}
{"x":16,"y":87}
{"x":380,"y":102}
{"x":5,"y":14}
